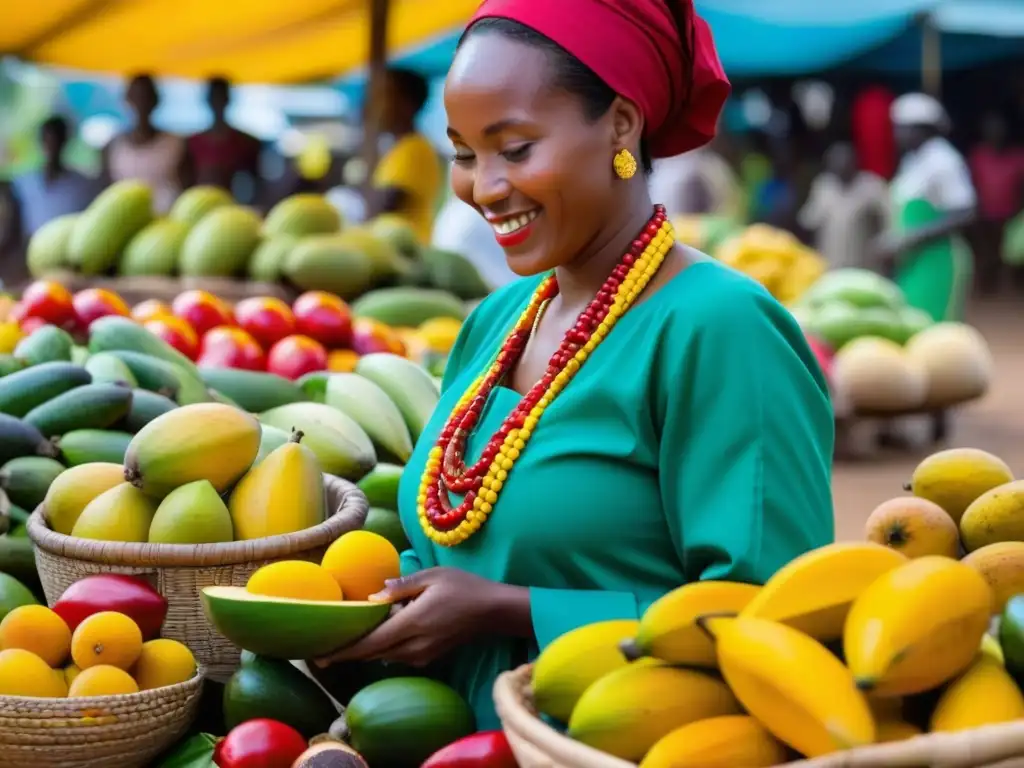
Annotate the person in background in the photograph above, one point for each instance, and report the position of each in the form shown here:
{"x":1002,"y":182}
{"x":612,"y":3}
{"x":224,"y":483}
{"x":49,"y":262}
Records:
{"x":697,"y":182}
{"x":873,"y":137}
{"x":408,"y":177}
{"x":775,"y":201}
{"x":222,"y":152}
{"x":847,"y":209}
{"x":998,"y":172}
{"x":147,"y":154}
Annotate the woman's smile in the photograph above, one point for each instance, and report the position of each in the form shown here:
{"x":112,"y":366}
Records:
{"x":513,"y":230}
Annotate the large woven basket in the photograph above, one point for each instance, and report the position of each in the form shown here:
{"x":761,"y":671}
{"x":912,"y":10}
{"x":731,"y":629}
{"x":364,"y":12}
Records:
{"x":537,"y":745}
{"x":123,"y":731}
{"x":179,"y":572}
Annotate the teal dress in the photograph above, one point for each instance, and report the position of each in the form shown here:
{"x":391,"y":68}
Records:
{"x":694,"y":443}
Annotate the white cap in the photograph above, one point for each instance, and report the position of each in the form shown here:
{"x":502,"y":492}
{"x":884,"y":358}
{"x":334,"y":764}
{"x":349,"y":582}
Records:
{"x":919,"y":109}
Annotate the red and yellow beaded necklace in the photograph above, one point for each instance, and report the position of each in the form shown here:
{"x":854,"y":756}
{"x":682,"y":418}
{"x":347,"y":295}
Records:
{"x":482,"y":482}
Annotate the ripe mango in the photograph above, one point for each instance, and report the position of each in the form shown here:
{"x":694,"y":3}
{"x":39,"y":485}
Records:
{"x":74,"y":488}
{"x":123,"y":513}
{"x":192,"y":514}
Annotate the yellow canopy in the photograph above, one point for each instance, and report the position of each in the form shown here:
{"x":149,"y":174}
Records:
{"x":247,"y":41}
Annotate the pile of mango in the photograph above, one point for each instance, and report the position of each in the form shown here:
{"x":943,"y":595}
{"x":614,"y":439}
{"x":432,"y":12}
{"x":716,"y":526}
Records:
{"x":775,"y":258}
{"x":849,"y":645}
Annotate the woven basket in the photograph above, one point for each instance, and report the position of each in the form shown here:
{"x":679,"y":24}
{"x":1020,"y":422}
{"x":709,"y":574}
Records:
{"x":537,"y":745}
{"x":123,"y":731}
{"x":179,"y":572}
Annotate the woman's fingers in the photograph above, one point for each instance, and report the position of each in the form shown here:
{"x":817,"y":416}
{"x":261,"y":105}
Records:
{"x":397,"y":629}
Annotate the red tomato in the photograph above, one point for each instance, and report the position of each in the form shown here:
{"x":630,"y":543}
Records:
{"x":130,"y":595}
{"x":49,"y":301}
{"x":487,"y":749}
{"x":295,"y":356}
{"x":266,"y":319}
{"x":227,"y":347}
{"x":260,"y":743}
{"x":324,"y":317}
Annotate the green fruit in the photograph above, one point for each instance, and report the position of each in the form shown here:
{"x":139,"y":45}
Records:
{"x":75,"y":488}
{"x":221,"y":243}
{"x":455,"y":273}
{"x":19,"y":438}
{"x":252,"y":390}
{"x":302,"y":215}
{"x":268,"y":259}
{"x":47,"y":345}
{"x":26,"y":479}
{"x":29,"y":388}
{"x":10,"y":364}
{"x":339,"y":443}
{"x":397,"y":231}
{"x":371,"y":408}
{"x":94,"y":406}
{"x":275,"y":689}
{"x":403,"y":307}
{"x":48,"y":247}
{"x":108,"y":368}
{"x":344,"y":679}
{"x":387,"y":523}
{"x":79,"y":355}
{"x":314,"y":385}
{"x":124,"y":513}
{"x":151,"y":373}
{"x":154,"y":250}
{"x":146,"y":406}
{"x":409,"y":386}
{"x":14,"y":594}
{"x":88,"y":446}
{"x":18,"y":560}
{"x":271,"y":438}
{"x":192,"y":514}
{"x":1011,"y":637}
{"x":101,"y":233}
{"x":914,"y":321}
{"x":18,"y":515}
{"x":859,"y":287}
{"x":195,"y":203}
{"x":381,"y":485}
{"x":386,"y":263}
{"x":326,"y":263}
{"x":288,"y":629}
{"x":404,"y":720}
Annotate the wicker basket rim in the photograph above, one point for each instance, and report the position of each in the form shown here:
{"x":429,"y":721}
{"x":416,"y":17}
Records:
{"x":352,"y":503}
{"x":25,"y":704}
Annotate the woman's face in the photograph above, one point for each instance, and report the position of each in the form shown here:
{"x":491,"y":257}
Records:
{"x":525,"y":156}
{"x":141,"y":97}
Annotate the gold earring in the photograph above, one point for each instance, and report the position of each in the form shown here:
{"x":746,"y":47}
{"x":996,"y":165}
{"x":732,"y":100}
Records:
{"x":624,"y":164}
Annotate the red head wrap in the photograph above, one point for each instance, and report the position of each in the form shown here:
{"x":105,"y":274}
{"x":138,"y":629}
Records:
{"x":634,"y":47}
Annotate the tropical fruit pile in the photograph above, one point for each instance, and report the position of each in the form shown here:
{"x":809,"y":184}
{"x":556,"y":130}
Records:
{"x":849,"y":645}
{"x":101,"y":638}
{"x":774,"y":258}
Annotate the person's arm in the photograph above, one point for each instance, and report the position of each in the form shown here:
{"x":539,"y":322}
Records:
{"x":954,"y":193}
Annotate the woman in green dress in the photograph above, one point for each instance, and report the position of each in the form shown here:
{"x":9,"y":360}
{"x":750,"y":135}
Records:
{"x":629,"y":416}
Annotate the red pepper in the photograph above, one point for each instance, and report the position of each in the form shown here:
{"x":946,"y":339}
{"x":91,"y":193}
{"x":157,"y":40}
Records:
{"x":260,"y":743}
{"x":130,"y":595}
{"x":487,"y":749}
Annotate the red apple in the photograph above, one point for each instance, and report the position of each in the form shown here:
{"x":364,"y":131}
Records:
{"x":49,"y":301}
{"x":32,"y":324}
{"x":93,"y":303}
{"x":149,"y":309}
{"x":228,"y":347}
{"x":259,"y":743}
{"x":295,"y":356}
{"x":202,"y":310}
{"x":324,"y":317}
{"x":369,"y":336}
{"x":176,"y":332}
{"x":266,"y":319}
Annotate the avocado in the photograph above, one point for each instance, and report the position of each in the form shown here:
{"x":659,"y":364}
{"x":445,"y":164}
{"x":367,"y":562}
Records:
{"x":1011,"y":637}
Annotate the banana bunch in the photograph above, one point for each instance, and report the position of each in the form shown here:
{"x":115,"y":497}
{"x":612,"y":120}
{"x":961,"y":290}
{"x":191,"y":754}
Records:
{"x":774,"y":258}
{"x":833,"y":653}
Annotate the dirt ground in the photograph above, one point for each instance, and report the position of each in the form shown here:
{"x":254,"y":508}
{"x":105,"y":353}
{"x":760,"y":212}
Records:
{"x":995,"y":423}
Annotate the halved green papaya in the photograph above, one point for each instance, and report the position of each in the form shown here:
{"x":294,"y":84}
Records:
{"x":281,"y":628}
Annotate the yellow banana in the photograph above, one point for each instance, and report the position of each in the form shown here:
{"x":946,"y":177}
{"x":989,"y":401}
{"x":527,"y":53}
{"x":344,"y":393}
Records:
{"x":813,"y":593}
{"x":668,"y":628}
{"x":895,"y":730}
{"x":568,"y":665}
{"x":917,"y":626}
{"x":792,"y":684}
{"x":718,"y":742}
{"x":983,"y":695}
{"x":628,"y":711}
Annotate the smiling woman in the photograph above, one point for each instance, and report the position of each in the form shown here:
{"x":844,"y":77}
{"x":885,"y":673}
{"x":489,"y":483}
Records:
{"x":630,"y":415}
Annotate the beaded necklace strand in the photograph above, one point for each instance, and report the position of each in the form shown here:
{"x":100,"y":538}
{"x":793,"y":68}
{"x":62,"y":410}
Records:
{"x":481,"y":483}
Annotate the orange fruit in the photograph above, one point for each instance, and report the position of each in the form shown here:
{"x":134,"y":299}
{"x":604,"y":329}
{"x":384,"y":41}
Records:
{"x":294,"y":580}
{"x":106,"y":638}
{"x":22,"y":673}
{"x":361,"y":561}
{"x":37,"y":629}
{"x":102,"y":680}
{"x":342,"y":360}
{"x":163,"y":662}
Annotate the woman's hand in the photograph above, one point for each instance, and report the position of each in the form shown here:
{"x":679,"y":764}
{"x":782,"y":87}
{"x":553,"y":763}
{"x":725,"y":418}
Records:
{"x":447,"y":608}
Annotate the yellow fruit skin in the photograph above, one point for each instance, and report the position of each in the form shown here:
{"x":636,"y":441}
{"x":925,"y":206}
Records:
{"x":895,"y":730}
{"x":914,"y":527}
{"x":629,"y":710}
{"x":793,"y":685}
{"x":362,"y":562}
{"x":284,"y":493}
{"x":718,"y":742}
{"x":813,"y":593}
{"x":995,"y":516}
{"x":124,"y":513}
{"x":206,"y":441}
{"x":163,"y":662}
{"x":984,"y":695}
{"x":570,"y":663}
{"x":37,"y":629}
{"x":71,"y":671}
{"x":953,"y":479}
{"x":74,"y":488}
{"x":106,"y":639}
{"x":102,"y":680}
{"x":25,"y":674}
{"x":668,"y":628}
{"x":1002,"y":566}
{"x":917,"y":626}
{"x":991,"y":648}
{"x":294,"y":580}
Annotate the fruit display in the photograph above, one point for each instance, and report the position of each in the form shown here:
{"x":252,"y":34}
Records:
{"x":773,"y":257}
